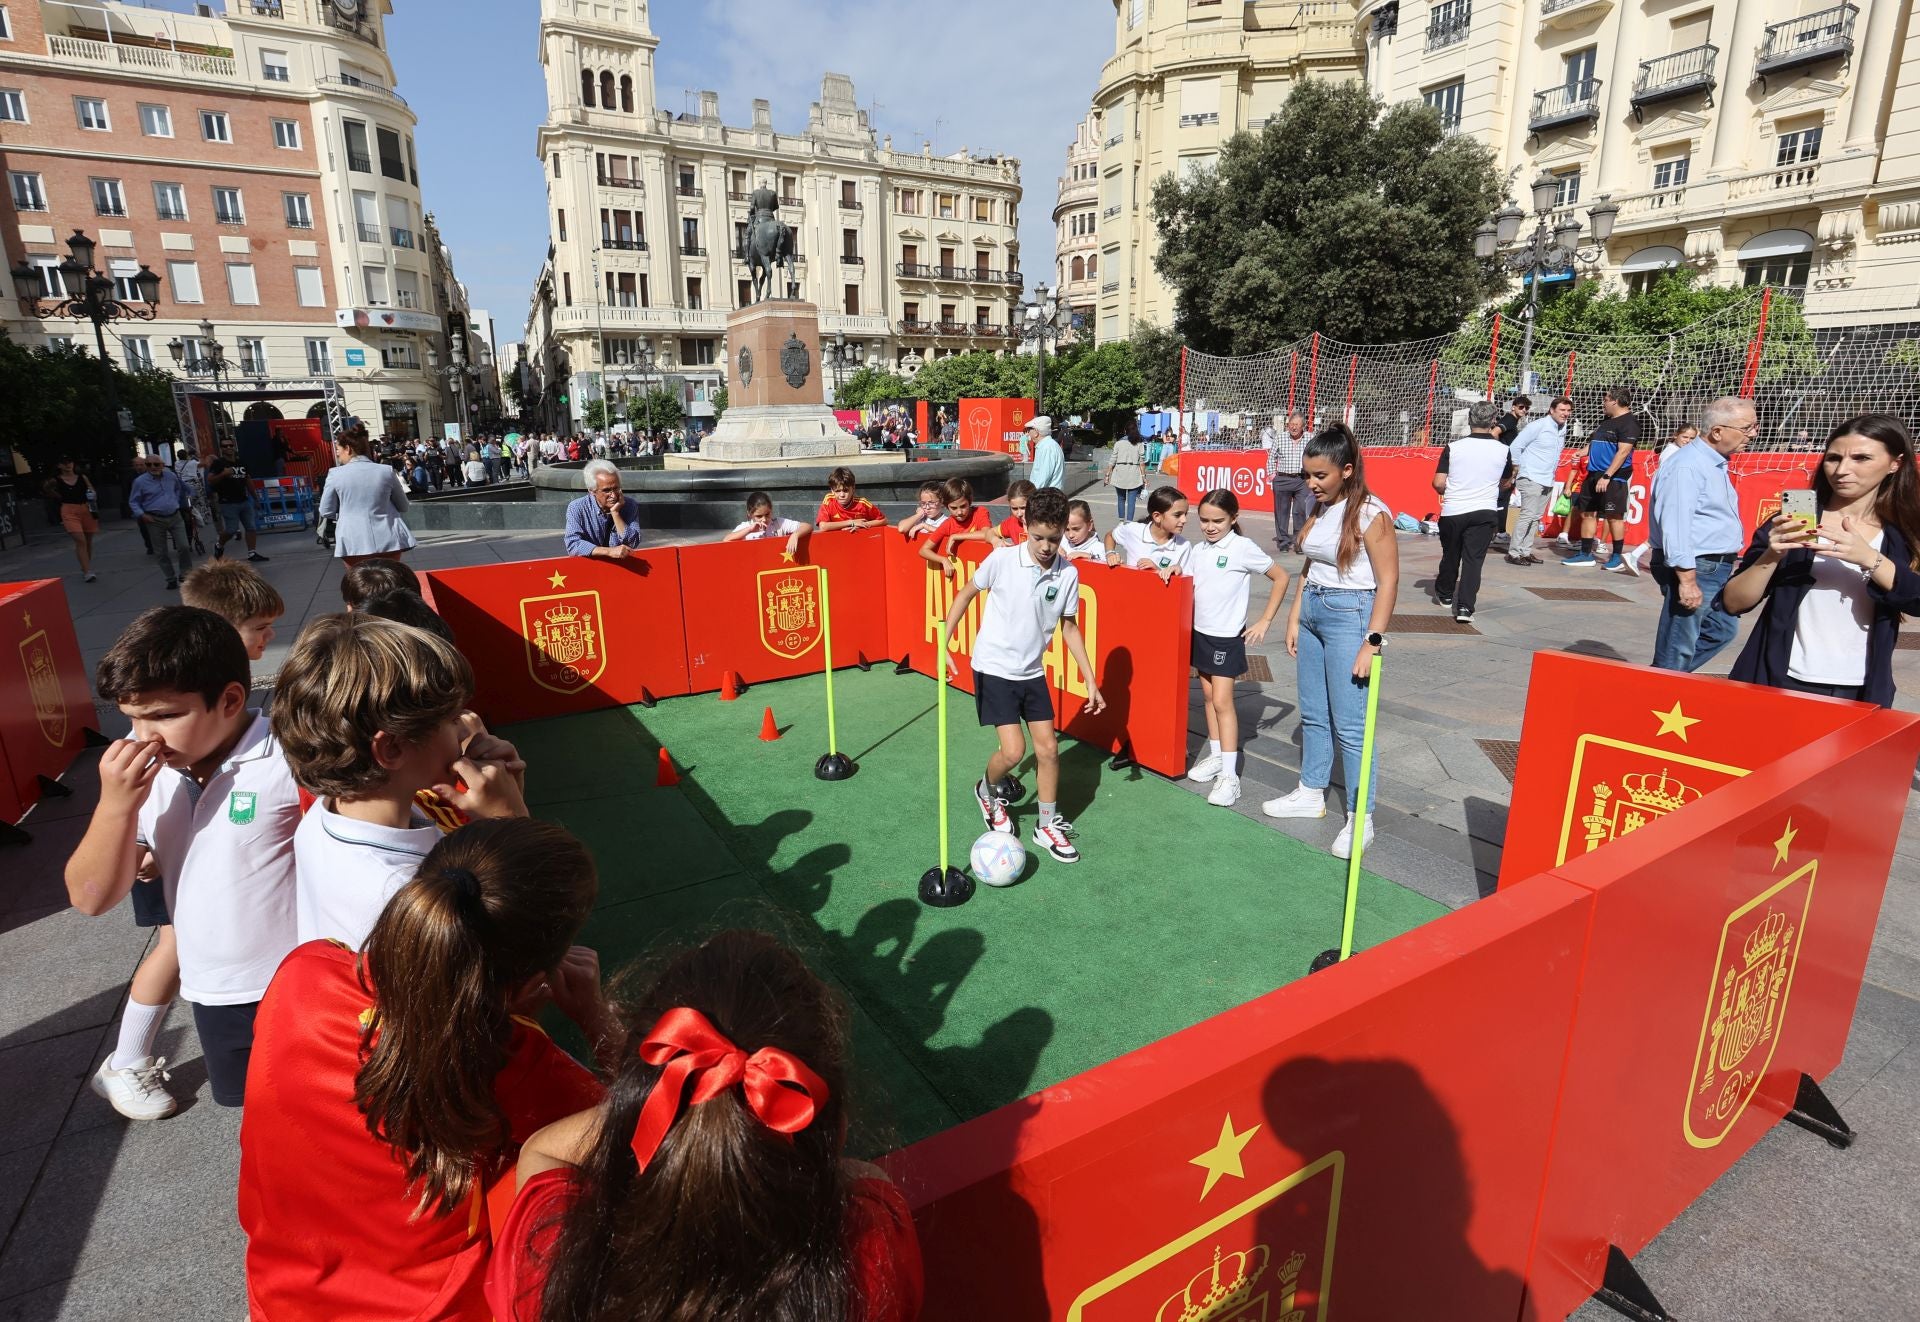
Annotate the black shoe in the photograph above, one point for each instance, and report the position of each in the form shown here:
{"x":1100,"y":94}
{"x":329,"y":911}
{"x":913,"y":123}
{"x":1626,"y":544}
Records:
{"x":1444,"y":601}
{"x":1463,"y":617}
{"x":173,"y":585}
{"x":256,"y":557}
{"x":220,"y":552}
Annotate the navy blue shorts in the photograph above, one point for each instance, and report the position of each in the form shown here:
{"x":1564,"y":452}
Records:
{"x":150,"y":904}
{"x":226,"y":1044}
{"x":1219,"y":656}
{"x":1010,"y":701}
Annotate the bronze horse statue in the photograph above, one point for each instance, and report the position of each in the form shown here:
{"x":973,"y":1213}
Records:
{"x":769,"y":242}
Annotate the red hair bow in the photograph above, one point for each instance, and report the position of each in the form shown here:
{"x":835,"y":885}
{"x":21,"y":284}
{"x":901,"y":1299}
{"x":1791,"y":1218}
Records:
{"x":781,"y":1092}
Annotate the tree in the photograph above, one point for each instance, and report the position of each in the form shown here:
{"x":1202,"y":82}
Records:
{"x":1106,"y":379}
{"x":869,"y":386}
{"x":977,"y":375}
{"x":658,"y":409}
{"x":1157,"y":353}
{"x":719,"y":403}
{"x":53,"y":402}
{"x":593,"y":415}
{"x":1338,"y":217}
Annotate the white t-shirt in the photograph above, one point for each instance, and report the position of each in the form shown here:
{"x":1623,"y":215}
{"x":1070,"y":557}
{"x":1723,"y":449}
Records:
{"x":1223,"y":582}
{"x":350,"y":869}
{"x":1474,"y":466}
{"x":774,"y":528}
{"x":1091,"y":549}
{"x":1138,"y":544}
{"x":1322,"y":547}
{"x":1024,"y":604}
{"x":225,"y":853}
{"x":1831,"y":627}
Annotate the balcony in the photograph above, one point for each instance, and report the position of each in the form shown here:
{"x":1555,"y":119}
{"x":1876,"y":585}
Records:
{"x":988,"y":331}
{"x":264,"y":8}
{"x":1110,"y":212}
{"x":1015,"y":278}
{"x":790,"y":202}
{"x":913,"y":270}
{"x":952,"y":273}
{"x":359,"y":162}
{"x":117,"y":210}
{"x":623,"y":245}
{"x":851,"y":204}
{"x":1110,"y":287}
{"x":1568,"y":104}
{"x":1114,"y":141}
{"x":1804,"y":40}
{"x":618,"y":181}
{"x":692,"y":250}
{"x":1572,"y":13}
{"x":167,"y":213}
{"x":950,"y":328}
{"x":852,"y":259}
{"x":362,"y":87}
{"x":1449,"y":27}
{"x":1680,"y":74}
{"x":402,"y":238}
{"x":368,"y":233}
{"x":1195,"y":121}
{"x":142,"y":59}
{"x":688,"y":190}
{"x":914,"y":326}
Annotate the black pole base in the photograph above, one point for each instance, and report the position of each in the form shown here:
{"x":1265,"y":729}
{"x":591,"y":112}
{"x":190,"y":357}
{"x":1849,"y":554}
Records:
{"x":862,"y":663}
{"x":1326,"y":959}
{"x":647,"y":699}
{"x":13,"y":835}
{"x":1815,"y":1114}
{"x":833,"y":766}
{"x":945,"y":890}
{"x":903,"y":666}
{"x":1123,"y":759}
{"x":53,"y":789}
{"x":1622,"y":1290}
{"x":92,"y":738}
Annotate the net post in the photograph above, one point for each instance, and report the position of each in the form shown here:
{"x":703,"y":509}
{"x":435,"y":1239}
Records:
{"x":1571,"y":354}
{"x":1180,"y":418}
{"x":1433,"y":382}
{"x":1353,"y":371}
{"x":1313,"y":376}
{"x":1752,"y":374}
{"x":1493,"y":355}
{"x":1293,"y":375}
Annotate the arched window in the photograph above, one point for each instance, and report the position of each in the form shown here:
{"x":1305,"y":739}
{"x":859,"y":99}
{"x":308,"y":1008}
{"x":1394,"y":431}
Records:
{"x":1778,"y":257}
{"x":586,"y":87}
{"x":1093,"y":266}
{"x":1646,"y":266}
{"x":606,"y":90}
{"x":1079,"y":268}
{"x":626,"y":93}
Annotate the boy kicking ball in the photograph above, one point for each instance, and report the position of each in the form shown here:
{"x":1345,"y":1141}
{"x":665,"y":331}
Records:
{"x":1030,"y":589}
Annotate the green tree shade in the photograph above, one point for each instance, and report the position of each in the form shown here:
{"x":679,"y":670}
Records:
{"x":593,"y":415}
{"x":1086,"y":381}
{"x":977,"y":375}
{"x":657,"y":408}
{"x":870,"y":385}
{"x":1157,"y":352}
{"x":52,"y":403}
{"x":719,"y":403}
{"x":1339,"y":217}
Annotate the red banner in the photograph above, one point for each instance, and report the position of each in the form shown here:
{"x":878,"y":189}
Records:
{"x":46,"y":701}
{"x":1243,"y":472}
{"x":993,"y":424}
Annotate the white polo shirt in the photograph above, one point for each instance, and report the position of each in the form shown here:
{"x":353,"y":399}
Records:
{"x":225,"y":854}
{"x":350,"y":869}
{"x":1138,"y":543}
{"x":774,"y":528}
{"x":1024,"y":604}
{"x":1091,"y":549}
{"x":1223,"y":583}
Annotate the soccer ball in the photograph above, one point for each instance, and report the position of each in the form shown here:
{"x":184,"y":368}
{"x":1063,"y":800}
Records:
{"x":998,"y":858}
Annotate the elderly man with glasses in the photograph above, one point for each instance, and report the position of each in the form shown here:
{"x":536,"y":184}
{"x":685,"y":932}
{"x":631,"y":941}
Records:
{"x":1697,"y":538}
{"x":159,"y":499}
{"x":604,"y":523}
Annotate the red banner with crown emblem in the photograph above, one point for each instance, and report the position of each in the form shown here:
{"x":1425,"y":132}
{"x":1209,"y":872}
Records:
{"x":46,"y":701}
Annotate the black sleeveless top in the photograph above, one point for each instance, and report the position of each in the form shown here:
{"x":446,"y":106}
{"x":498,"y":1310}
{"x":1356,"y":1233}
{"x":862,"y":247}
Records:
{"x":71,"y":493}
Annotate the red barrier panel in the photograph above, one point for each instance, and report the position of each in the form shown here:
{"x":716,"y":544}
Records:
{"x":750,"y":610}
{"x":1608,"y":748}
{"x":1724,"y":962}
{"x":46,"y":701}
{"x":550,"y":637}
{"x":1243,"y":472}
{"x":1366,"y":1143}
{"x":993,"y":424}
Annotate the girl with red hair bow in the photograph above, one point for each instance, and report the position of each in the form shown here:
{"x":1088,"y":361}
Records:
{"x":710,"y":1184}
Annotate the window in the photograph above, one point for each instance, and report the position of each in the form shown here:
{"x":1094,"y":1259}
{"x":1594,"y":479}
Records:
{"x":273,"y":66}
{"x":108,"y":199}
{"x":945,"y":204}
{"x":170,"y":201}
{"x":1447,"y":99}
{"x":6,"y":25}
{"x":253,"y":355}
{"x":156,"y":121}
{"x":689,"y":234}
{"x":183,"y":278}
{"x":1447,"y":22}
{"x":743,"y":293}
{"x":359,"y":154}
{"x":378,"y":295}
{"x":366,"y":217}
{"x":556,"y":165}
{"x":92,"y":113}
{"x":299,"y":210}
{"x":400,"y":223}
{"x":737,"y":183}
{"x":739,"y":236}
{"x":319,"y":361}
{"x":1579,"y":68}
{"x":910,"y":254}
{"x":852,"y":300}
{"x":228,"y":208}
{"x":694,"y":301}
{"x":983,"y":315}
{"x":13,"y":107}
{"x":1789,"y":269}
{"x":286,"y":133}
{"x":123,"y":273}
{"x":1199,"y":101}
{"x":910,"y":201}
{"x":586,"y":89}
{"x":309,"y":286}
{"x":911,"y":311}
{"x":947,"y":261}
{"x":688,"y":188}
{"x":947,"y":313}
{"x":981,"y":262}
{"x":566,"y":289}
{"x":983,"y":209}
{"x":563,"y":224}
{"x":138,"y":350}
{"x":606,"y":89}
{"x":62,"y":343}
{"x":1671,"y":173}
{"x":1136,"y":12}
{"x":850,"y":245}
{"x":28,"y":195}
{"x":1567,"y":191}
{"x":215,"y":126}
{"x":789,"y":187}
{"x":242,"y":289}
{"x":392,"y":164}
{"x":406,"y":288}
{"x":1079,"y":268}
{"x":413,"y":170}
{"x":1798,"y":147}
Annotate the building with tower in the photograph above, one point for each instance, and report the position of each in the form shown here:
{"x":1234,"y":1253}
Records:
{"x":1076,"y":224}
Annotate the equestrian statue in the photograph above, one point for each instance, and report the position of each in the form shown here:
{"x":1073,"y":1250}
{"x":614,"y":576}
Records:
{"x":769,"y":243}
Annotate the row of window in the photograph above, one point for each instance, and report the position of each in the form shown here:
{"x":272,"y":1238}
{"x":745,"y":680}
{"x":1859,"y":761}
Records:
{"x":1085,"y":268}
{"x":1082,"y":223}
{"x":138,"y":353}
{"x":624,"y":171}
{"x":182,"y":284}
{"x":156,"y":121}
{"x":169,"y":200}
{"x":1794,"y":160}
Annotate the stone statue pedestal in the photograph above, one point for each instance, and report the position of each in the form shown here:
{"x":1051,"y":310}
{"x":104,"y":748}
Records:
{"x":776,"y":404}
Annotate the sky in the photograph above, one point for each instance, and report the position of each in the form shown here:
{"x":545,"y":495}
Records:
{"x":1012,"y":77}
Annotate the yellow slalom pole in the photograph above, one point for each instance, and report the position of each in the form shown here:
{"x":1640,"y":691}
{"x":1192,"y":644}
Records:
{"x":941,"y":680}
{"x":944,"y":886}
{"x":1360,"y":828}
{"x":826,"y":616}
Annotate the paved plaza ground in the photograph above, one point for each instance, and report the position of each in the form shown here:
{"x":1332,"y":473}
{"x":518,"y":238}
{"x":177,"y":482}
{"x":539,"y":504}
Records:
{"x":105,"y":1219}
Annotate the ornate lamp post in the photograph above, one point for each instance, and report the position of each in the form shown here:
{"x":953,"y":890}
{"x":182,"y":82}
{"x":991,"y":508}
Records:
{"x":455,"y":372}
{"x":844,"y":358}
{"x":212,"y":358}
{"x":1547,"y":250}
{"x":1038,"y":322}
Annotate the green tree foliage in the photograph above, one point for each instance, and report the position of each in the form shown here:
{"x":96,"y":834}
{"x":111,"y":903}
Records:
{"x":593,"y":415}
{"x":1157,"y":351}
{"x":871,"y":385}
{"x":719,"y":403}
{"x":1339,"y":217}
{"x":977,"y":375}
{"x":53,"y":402}
{"x":1088,"y":380}
{"x":657,"y":408}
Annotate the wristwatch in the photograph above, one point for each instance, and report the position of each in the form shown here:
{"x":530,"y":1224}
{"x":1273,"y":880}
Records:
{"x":1377,"y":640}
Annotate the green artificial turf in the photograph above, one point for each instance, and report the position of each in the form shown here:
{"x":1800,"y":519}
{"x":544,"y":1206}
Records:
{"x":1177,"y":911}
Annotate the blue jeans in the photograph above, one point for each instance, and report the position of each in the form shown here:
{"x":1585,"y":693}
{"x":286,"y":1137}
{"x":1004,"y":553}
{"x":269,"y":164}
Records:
{"x":1688,"y":639}
{"x":1333,"y":704}
{"x":1124,"y":502}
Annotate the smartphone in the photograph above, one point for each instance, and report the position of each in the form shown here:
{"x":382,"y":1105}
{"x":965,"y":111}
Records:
{"x":1800,"y":505}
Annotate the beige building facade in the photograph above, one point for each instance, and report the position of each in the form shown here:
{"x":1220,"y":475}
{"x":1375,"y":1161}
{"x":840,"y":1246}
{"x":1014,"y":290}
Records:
{"x":1753,"y":140}
{"x":909,"y":255}
{"x":1076,"y":225}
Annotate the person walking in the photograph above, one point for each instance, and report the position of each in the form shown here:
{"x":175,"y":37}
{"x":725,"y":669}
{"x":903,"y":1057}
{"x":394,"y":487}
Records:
{"x":1834,"y":593}
{"x":1609,"y":482}
{"x":1536,"y":462}
{"x":79,"y":510}
{"x":1519,"y":408}
{"x":159,"y":500}
{"x":234,"y":496}
{"x":1696,"y":537}
{"x":1293,"y":502}
{"x":1049,"y":460}
{"x":1125,"y":472}
{"x":367,"y":500}
{"x":1473,"y":471}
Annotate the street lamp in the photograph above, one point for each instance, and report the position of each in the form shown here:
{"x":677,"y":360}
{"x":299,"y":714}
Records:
{"x":455,"y":372}
{"x":1548,"y":249}
{"x":842,"y":357}
{"x":1042,"y":319}
{"x":88,"y":295}
{"x":212,"y":358}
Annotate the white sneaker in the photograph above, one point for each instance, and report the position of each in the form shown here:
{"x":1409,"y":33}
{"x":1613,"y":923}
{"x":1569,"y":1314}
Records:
{"x":1226,"y":790}
{"x":1343,"y":843}
{"x":1205,"y":769}
{"x":1303,"y":802}
{"x":137,"y":1093}
{"x":1054,"y":840}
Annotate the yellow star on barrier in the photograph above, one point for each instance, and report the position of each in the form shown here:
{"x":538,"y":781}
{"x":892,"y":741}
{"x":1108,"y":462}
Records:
{"x":1223,"y":1158}
{"x":1784,"y":843}
{"x":26,"y":620}
{"x":786,"y":557}
{"x":559,"y":580}
{"x":1675,"y":722}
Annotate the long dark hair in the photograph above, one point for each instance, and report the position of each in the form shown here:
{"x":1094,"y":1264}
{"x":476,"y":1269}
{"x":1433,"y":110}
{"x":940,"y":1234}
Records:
{"x":1897,"y":503}
{"x":1227,"y":503}
{"x":1336,"y":443}
{"x":495,"y":903}
{"x":730,"y":1221}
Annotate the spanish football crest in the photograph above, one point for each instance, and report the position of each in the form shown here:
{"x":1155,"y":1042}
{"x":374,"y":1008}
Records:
{"x":1620,"y":787}
{"x":789,"y":601}
{"x":43,"y":685}
{"x":1746,"y":1005}
{"x":566,"y":640}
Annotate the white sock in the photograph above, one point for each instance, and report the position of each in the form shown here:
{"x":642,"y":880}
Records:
{"x":139,"y":1030}
{"x":1048,"y":811}
{"x":1213,"y":746}
{"x":1230,"y":763}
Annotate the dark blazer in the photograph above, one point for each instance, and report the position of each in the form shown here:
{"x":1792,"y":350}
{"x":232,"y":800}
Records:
{"x":1769,"y":648}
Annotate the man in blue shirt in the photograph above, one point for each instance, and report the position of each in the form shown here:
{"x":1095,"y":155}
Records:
{"x":1697,"y":538}
{"x":158,"y":499}
{"x":1536,"y":461}
{"x":604,"y":523}
{"x":1049,"y":460}
{"x":1609,"y":483}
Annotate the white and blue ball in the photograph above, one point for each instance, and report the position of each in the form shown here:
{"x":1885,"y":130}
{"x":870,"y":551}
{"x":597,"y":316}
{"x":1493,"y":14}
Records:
{"x":998,"y":858}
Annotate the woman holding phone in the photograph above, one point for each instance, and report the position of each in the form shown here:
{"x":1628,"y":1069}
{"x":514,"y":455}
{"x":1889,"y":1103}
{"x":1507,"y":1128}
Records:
{"x":1836,"y":581}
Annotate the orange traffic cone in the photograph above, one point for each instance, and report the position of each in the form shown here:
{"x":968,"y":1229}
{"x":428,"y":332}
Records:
{"x":768,"y":730}
{"x":729,"y":686}
{"x":666,"y":775}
